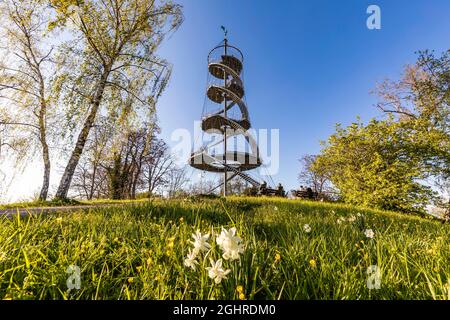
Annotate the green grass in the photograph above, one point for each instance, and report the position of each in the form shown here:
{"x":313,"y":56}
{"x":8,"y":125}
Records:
{"x":137,"y":252}
{"x":60,"y":203}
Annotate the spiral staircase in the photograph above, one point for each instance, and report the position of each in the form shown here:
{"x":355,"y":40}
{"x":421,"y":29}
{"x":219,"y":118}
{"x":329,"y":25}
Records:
{"x":226,"y":92}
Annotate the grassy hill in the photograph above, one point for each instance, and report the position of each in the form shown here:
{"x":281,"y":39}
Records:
{"x":138,"y":252}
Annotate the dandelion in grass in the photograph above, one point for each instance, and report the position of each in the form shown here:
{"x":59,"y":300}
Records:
{"x":241,"y":296}
{"x":171,"y":239}
{"x":277,"y":258}
{"x":240,"y":289}
{"x":312,"y":263}
{"x":230,"y":244}
{"x":216,"y":272}
{"x":130,"y":280}
{"x":59,"y":219}
{"x":2,"y":256}
{"x":307,"y":228}
{"x":169,"y":253}
{"x":191,"y":261}
{"x":200,"y":241}
{"x":369,"y":233}
{"x":170,"y":243}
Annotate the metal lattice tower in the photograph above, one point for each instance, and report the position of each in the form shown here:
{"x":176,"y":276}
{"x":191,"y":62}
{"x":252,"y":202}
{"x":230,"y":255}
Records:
{"x":226,"y":93}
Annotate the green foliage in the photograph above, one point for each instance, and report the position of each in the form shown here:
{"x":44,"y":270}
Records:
{"x":116,"y":41}
{"x":421,"y":102}
{"x":371,"y":166}
{"x":137,"y":252}
{"x":383,"y":164}
{"x":63,"y":202}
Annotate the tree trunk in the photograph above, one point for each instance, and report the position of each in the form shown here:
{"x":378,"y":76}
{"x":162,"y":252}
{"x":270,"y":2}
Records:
{"x":150,"y":182}
{"x":46,"y":181}
{"x":447,"y":212}
{"x":115,"y":179}
{"x":134,"y":184}
{"x":91,"y":191}
{"x":43,"y":137}
{"x":66,"y":179}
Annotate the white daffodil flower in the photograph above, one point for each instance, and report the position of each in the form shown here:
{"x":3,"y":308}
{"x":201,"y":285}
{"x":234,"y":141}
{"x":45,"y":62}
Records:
{"x":230,"y":244}
{"x":200,"y":241}
{"x":216,"y":272}
{"x":191,"y":261}
{"x":369,"y":233}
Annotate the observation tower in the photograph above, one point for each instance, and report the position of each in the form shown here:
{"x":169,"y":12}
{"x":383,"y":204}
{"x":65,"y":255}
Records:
{"x":225,"y":114}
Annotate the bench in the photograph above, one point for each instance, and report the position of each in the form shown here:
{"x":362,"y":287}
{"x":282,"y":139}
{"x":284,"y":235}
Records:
{"x":305,"y":194}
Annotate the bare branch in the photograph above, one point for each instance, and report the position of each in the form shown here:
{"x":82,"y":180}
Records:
{"x":19,"y":124}
{"x":382,"y":108}
{"x":127,"y":91}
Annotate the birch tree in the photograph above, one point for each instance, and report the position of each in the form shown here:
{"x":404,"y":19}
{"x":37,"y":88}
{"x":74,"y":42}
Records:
{"x":112,"y":54}
{"x":24,"y":63}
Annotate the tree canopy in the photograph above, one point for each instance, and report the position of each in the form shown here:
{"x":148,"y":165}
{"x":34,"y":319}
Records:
{"x":393,"y":163}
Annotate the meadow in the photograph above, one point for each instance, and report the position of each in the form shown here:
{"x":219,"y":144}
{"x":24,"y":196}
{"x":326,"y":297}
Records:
{"x":291,"y":249}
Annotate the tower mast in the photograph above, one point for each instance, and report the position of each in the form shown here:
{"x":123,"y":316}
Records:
{"x":225,"y":102}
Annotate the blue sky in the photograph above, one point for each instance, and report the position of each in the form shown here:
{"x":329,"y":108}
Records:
{"x":308,"y":64}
